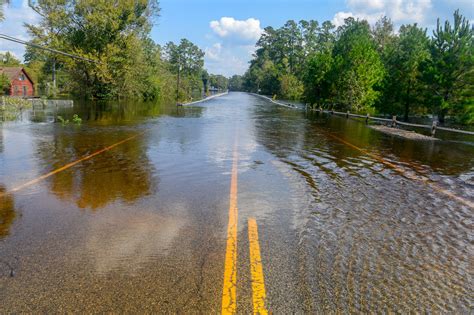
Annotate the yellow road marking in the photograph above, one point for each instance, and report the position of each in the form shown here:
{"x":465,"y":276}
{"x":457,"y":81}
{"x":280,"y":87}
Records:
{"x":65,"y":167}
{"x":404,"y":173}
{"x":229,"y":301}
{"x":256,"y":270}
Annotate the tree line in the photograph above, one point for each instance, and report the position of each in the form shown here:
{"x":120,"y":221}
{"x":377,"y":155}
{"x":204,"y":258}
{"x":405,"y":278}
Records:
{"x":127,"y":62}
{"x":368,"y":69}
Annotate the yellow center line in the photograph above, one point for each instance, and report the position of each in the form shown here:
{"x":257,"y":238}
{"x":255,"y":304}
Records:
{"x":404,"y":173}
{"x":69,"y":165}
{"x":256,"y":270}
{"x":229,"y":301}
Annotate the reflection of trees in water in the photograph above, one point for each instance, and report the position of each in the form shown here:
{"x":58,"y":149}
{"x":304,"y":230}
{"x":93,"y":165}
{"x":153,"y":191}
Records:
{"x":7,"y":212}
{"x":442,"y":157}
{"x":122,"y":173}
{"x":119,"y":112}
{"x":283,"y":133}
{"x":186,"y":111}
{"x":278,"y":130}
{"x":1,"y":139}
{"x":357,"y":231}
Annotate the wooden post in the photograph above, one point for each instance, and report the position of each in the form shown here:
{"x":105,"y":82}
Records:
{"x":54,"y":77}
{"x":394,"y":121}
{"x":367,"y":119}
{"x":177,"y":82}
{"x":347,"y":114}
{"x":433,"y":128}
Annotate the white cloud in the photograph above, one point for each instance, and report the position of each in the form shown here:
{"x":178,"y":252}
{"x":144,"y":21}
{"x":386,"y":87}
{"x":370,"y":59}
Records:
{"x":247,"y":30}
{"x":400,"y":11}
{"x":409,"y":10}
{"x":228,"y":59}
{"x":371,"y":5}
{"x":15,"y":17}
{"x":234,"y":44}
{"x":213,"y":52}
{"x":339,"y":18}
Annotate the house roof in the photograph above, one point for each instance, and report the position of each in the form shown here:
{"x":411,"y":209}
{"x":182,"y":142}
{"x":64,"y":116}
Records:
{"x":13,"y":72}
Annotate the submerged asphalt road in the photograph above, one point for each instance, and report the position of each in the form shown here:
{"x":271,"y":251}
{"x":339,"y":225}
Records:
{"x":234,"y":205}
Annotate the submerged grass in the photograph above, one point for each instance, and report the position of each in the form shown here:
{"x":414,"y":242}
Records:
{"x":11,"y":107}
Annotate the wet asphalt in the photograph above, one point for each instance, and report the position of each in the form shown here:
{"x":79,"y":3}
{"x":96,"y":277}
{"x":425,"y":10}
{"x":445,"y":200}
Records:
{"x":142,"y":227}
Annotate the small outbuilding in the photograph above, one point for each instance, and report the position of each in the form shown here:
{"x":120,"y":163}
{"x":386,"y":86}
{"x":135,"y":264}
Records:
{"x":21,"y":83}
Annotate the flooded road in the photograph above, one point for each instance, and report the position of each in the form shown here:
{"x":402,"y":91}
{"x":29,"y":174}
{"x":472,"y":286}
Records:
{"x":229,"y":203}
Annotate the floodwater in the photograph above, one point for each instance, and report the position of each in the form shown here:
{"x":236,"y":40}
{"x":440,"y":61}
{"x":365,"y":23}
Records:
{"x":349,"y":219}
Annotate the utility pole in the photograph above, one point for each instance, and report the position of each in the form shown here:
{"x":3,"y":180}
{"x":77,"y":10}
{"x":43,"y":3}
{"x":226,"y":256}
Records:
{"x":179,"y":77}
{"x":54,"y":77}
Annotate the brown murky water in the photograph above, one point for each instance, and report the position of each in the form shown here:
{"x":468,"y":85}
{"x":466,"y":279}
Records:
{"x":349,"y":219}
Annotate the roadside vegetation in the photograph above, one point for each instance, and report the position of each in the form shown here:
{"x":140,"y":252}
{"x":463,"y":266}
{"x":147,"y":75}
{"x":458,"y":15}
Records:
{"x":365,"y":69}
{"x":12,"y":107}
{"x":128,"y":63}
{"x":356,"y":67}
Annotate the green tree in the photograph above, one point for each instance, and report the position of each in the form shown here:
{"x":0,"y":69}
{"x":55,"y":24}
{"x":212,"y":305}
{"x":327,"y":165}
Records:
{"x":449,"y":72}
{"x":280,"y":62}
{"x":310,"y":33}
{"x":40,"y":68}
{"x":318,"y":66}
{"x":4,"y":84}
{"x":403,"y":86}
{"x":236,"y":83}
{"x":263,"y":75}
{"x":270,"y":83}
{"x":158,"y":79}
{"x":290,"y":87}
{"x":109,"y":34}
{"x":291,"y":38}
{"x":383,"y":34}
{"x":187,"y":61}
{"x":8,"y":59}
{"x":357,"y":66}
{"x":369,"y":69}
{"x":2,"y":15}
{"x":186,"y":55}
{"x":316,"y":78}
{"x":205,"y":80}
{"x":219,"y":81}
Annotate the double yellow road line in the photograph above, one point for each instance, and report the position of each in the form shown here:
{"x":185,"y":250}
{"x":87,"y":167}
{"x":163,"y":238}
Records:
{"x":229,"y":291}
{"x":229,"y":296}
{"x":229,"y":300}
{"x":256,"y":270}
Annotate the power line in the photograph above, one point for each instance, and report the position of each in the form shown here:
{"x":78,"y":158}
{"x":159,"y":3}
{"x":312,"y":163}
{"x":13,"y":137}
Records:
{"x":19,"y":41}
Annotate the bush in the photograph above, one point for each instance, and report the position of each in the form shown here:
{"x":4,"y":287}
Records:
{"x":11,"y":107}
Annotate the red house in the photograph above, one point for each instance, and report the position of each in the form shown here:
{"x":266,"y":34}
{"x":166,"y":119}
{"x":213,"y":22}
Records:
{"x":20,"y":82}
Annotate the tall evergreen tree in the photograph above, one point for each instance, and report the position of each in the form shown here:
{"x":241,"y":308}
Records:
{"x":403,"y":86}
{"x":369,"y":69}
{"x":450,"y":70}
{"x":357,"y":66}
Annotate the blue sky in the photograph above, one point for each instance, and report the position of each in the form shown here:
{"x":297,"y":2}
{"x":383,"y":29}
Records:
{"x":228,"y":29}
